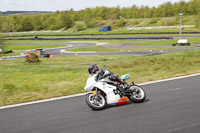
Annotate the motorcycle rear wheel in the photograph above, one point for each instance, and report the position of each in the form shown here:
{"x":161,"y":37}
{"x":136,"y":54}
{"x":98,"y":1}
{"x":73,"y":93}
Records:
{"x":138,"y":95}
{"x":96,"y":103}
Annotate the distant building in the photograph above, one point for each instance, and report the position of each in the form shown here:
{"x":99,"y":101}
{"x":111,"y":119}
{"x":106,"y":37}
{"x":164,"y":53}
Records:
{"x":105,"y":28}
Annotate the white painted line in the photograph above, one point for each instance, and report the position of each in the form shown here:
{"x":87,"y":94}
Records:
{"x":97,"y":44}
{"x":82,"y":94}
{"x":59,"y":47}
{"x":175,"y":89}
{"x":100,"y":44}
{"x":63,"y":51}
{"x":163,"y":80}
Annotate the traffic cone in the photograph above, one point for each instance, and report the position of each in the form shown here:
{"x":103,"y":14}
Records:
{"x":51,"y":56}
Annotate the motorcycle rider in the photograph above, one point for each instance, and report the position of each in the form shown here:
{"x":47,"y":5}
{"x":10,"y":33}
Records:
{"x":103,"y":73}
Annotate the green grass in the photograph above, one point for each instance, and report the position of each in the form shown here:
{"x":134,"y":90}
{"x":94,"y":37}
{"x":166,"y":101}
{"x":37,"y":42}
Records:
{"x":93,"y":49}
{"x":59,"y":76}
{"x":26,"y":47}
{"x":10,"y":54}
{"x":100,"y":49}
{"x":81,"y":40}
{"x":36,"y":41}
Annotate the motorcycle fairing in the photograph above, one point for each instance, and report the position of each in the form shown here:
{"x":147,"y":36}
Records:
{"x":112,"y":98}
{"x":108,"y":90}
{"x":94,"y":92}
{"x":90,"y":83}
{"x":122,"y":100}
{"x":125,"y":76}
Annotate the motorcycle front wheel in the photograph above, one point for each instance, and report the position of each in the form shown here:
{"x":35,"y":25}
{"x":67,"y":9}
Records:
{"x":96,"y":102}
{"x":138,"y":95}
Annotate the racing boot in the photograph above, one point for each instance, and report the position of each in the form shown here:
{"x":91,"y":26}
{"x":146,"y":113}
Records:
{"x":125,"y":84}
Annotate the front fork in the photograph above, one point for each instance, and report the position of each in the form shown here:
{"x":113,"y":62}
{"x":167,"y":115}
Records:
{"x":97,"y":97}
{"x":96,"y":92}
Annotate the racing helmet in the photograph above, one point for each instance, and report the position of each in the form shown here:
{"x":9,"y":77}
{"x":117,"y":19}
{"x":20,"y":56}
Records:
{"x":93,"y":69}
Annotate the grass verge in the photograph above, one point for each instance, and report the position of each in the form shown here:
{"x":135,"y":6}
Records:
{"x":26,"y":47}
{"x":100,"y":49}
{"x":11,"y":54}
{"x":59,"y":76}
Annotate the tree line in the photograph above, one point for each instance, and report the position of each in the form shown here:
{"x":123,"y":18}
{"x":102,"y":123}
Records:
{"x":90,"y":17}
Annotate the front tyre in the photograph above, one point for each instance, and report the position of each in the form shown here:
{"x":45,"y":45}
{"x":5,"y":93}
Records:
{"x":138,"y":95}
{"x":94,"y":102}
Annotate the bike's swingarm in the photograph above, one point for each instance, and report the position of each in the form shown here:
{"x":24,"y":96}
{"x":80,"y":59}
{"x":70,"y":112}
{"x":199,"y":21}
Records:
{"x":128,"y":91}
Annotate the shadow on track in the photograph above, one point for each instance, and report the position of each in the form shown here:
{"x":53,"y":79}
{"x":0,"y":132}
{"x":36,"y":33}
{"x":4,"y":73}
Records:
{"x":116,"y":106}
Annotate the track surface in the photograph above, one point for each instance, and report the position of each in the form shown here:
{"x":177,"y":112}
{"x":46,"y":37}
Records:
{"x":171,"y":107}
{"x":56,"y":51}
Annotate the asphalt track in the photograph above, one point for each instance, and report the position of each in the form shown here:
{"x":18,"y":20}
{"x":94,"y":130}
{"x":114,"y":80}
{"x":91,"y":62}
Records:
{"x":57,"y":51}
{"x":171,"y":107}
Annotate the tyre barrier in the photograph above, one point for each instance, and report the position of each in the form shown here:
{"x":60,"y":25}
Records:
{"x":95,"y":38}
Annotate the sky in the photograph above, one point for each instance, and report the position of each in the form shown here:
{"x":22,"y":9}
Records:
{"x":60,"y":5}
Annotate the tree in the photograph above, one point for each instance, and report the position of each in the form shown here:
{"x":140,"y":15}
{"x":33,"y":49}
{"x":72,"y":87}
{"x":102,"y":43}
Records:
{"x":64,"y":20}
{"x":37,"y":22}
{"x":102,"y":12}
{"x":26,"y":24}
{"x":120,"y":23}
{"x":44,"y":19}
{"x":134,"y":12}
{"x":88,"y":19}
{"x":14,"y":23}
{"x":79,"y":27}
{"x":1,"y":22}
{"x":5,"y":26}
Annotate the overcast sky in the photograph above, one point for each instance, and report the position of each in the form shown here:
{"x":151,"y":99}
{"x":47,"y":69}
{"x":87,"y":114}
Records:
{"x":55,"y":5}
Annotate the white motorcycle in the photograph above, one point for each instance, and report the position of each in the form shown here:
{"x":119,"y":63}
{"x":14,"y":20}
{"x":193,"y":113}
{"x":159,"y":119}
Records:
{"x":103,"y":92}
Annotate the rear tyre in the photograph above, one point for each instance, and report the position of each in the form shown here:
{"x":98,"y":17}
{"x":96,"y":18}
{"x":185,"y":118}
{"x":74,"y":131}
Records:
{"x":96,"y":103}
{"x":138,"y":95}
